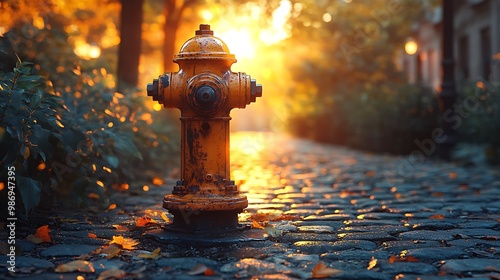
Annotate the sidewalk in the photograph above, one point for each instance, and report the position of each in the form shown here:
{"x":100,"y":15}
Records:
{"x":361,"y":215}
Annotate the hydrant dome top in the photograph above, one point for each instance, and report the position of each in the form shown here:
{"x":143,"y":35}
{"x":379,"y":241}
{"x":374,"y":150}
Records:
{"x":204,"y":46}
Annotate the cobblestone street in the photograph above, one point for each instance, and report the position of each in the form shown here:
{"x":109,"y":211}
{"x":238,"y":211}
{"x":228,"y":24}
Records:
{"x":315,"y":211}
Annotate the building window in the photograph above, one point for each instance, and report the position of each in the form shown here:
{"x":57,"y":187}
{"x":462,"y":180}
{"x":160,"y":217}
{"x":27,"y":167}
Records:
{"x":463,"y":57}
{"x":486,"y":53}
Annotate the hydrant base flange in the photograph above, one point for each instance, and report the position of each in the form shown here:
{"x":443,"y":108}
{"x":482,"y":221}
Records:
{"x":205,"y":221}
{"x":195,"y":203}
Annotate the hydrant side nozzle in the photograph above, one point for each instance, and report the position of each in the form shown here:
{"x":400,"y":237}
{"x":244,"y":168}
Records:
{"x":152,"y":90}
{"x":255,"y":90}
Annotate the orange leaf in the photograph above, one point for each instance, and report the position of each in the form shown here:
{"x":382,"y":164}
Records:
{"x":127,"y":243}
{"x":209,"y":272}
{"x":112,"y":206}
{"x":437,"y":217}
{"x":322,"y":271}
{"x":43,"y":233}
{"x":255,"y":224}
{"x":143,"y":221}
{"x":92,"y":235}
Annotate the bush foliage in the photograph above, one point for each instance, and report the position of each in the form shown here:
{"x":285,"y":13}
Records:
{"x":69,"y":134}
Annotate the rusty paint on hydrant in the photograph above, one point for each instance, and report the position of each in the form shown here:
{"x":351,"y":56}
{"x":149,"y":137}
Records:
{"x":205,"y":90}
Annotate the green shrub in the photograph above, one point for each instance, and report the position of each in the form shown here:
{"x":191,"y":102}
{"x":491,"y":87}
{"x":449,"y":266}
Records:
{"x":29,"y":124}
{"x":479,"y":114}
{"x":69,"y":134}
{"x":386,"y":118}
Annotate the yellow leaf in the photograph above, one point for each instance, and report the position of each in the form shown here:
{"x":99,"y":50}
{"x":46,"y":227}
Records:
{"x":372,"y":263}
{"x":113,"y":273}
{"x":165,"y":217}
{"x":153,"y":255}
{"x":78,"y":265}
{"x":255,"y":224}
{"x":127,"y":243}
{"x":322,"y":271}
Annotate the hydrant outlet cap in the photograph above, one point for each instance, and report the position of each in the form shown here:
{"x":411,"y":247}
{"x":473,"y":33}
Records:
{"x":204,"y":46}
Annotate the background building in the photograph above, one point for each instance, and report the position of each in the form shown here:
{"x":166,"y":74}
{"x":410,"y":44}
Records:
{"x":476,"y":44}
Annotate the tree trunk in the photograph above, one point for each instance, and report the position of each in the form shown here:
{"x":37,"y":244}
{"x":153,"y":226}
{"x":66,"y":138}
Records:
{"x":130,"y":44}
{"x":170,"y":30}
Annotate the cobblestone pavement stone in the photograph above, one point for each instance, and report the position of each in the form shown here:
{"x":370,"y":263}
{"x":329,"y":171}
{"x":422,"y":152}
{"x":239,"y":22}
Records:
{"x":362,"y":215}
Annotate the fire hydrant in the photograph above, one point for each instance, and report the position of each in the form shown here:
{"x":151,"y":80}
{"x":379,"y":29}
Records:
{"x":205,"y":90}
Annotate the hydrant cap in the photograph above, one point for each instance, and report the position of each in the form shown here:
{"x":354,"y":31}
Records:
{"x":204,"y":46}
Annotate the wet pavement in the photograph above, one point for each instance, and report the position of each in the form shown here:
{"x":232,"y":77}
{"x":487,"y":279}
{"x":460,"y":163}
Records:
{"x":315,"y":211}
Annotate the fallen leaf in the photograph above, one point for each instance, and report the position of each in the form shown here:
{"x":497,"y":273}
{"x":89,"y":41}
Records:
{"x":437,"y":194}
{"x":92,"y":235}
{"x":261,"y":217}
{"x":255,"y":224}
{"x":198,"y":269}
{"x":437,"y":217}
{"x":452,"y":175}
{"x":79,"y":265}
{"x":372,"y":264}
{"x":112,"y":206}
{"x":41,"y":235}
{"x":393,"y":259}
{"x":113,"y":273}
{"x":322,"y":271}
{"x":165,"y":217}
{"x":120,"y":227}
{"x":143,"y":221}
{"x":209,"y":272}
{"x":127,"y":243}
{"x":111,"y":251}
{"x":153,"y":255}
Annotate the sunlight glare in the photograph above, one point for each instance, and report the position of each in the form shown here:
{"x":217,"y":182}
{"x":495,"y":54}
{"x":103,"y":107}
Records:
{"x":239,"y":42}
{"x":279,"y":29}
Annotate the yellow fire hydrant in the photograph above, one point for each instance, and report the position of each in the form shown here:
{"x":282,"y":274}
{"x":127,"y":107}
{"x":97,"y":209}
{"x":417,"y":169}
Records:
{"x":205,"y":90}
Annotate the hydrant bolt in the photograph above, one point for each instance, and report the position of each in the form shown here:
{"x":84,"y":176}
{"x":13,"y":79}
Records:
{"x":205,"y":90}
